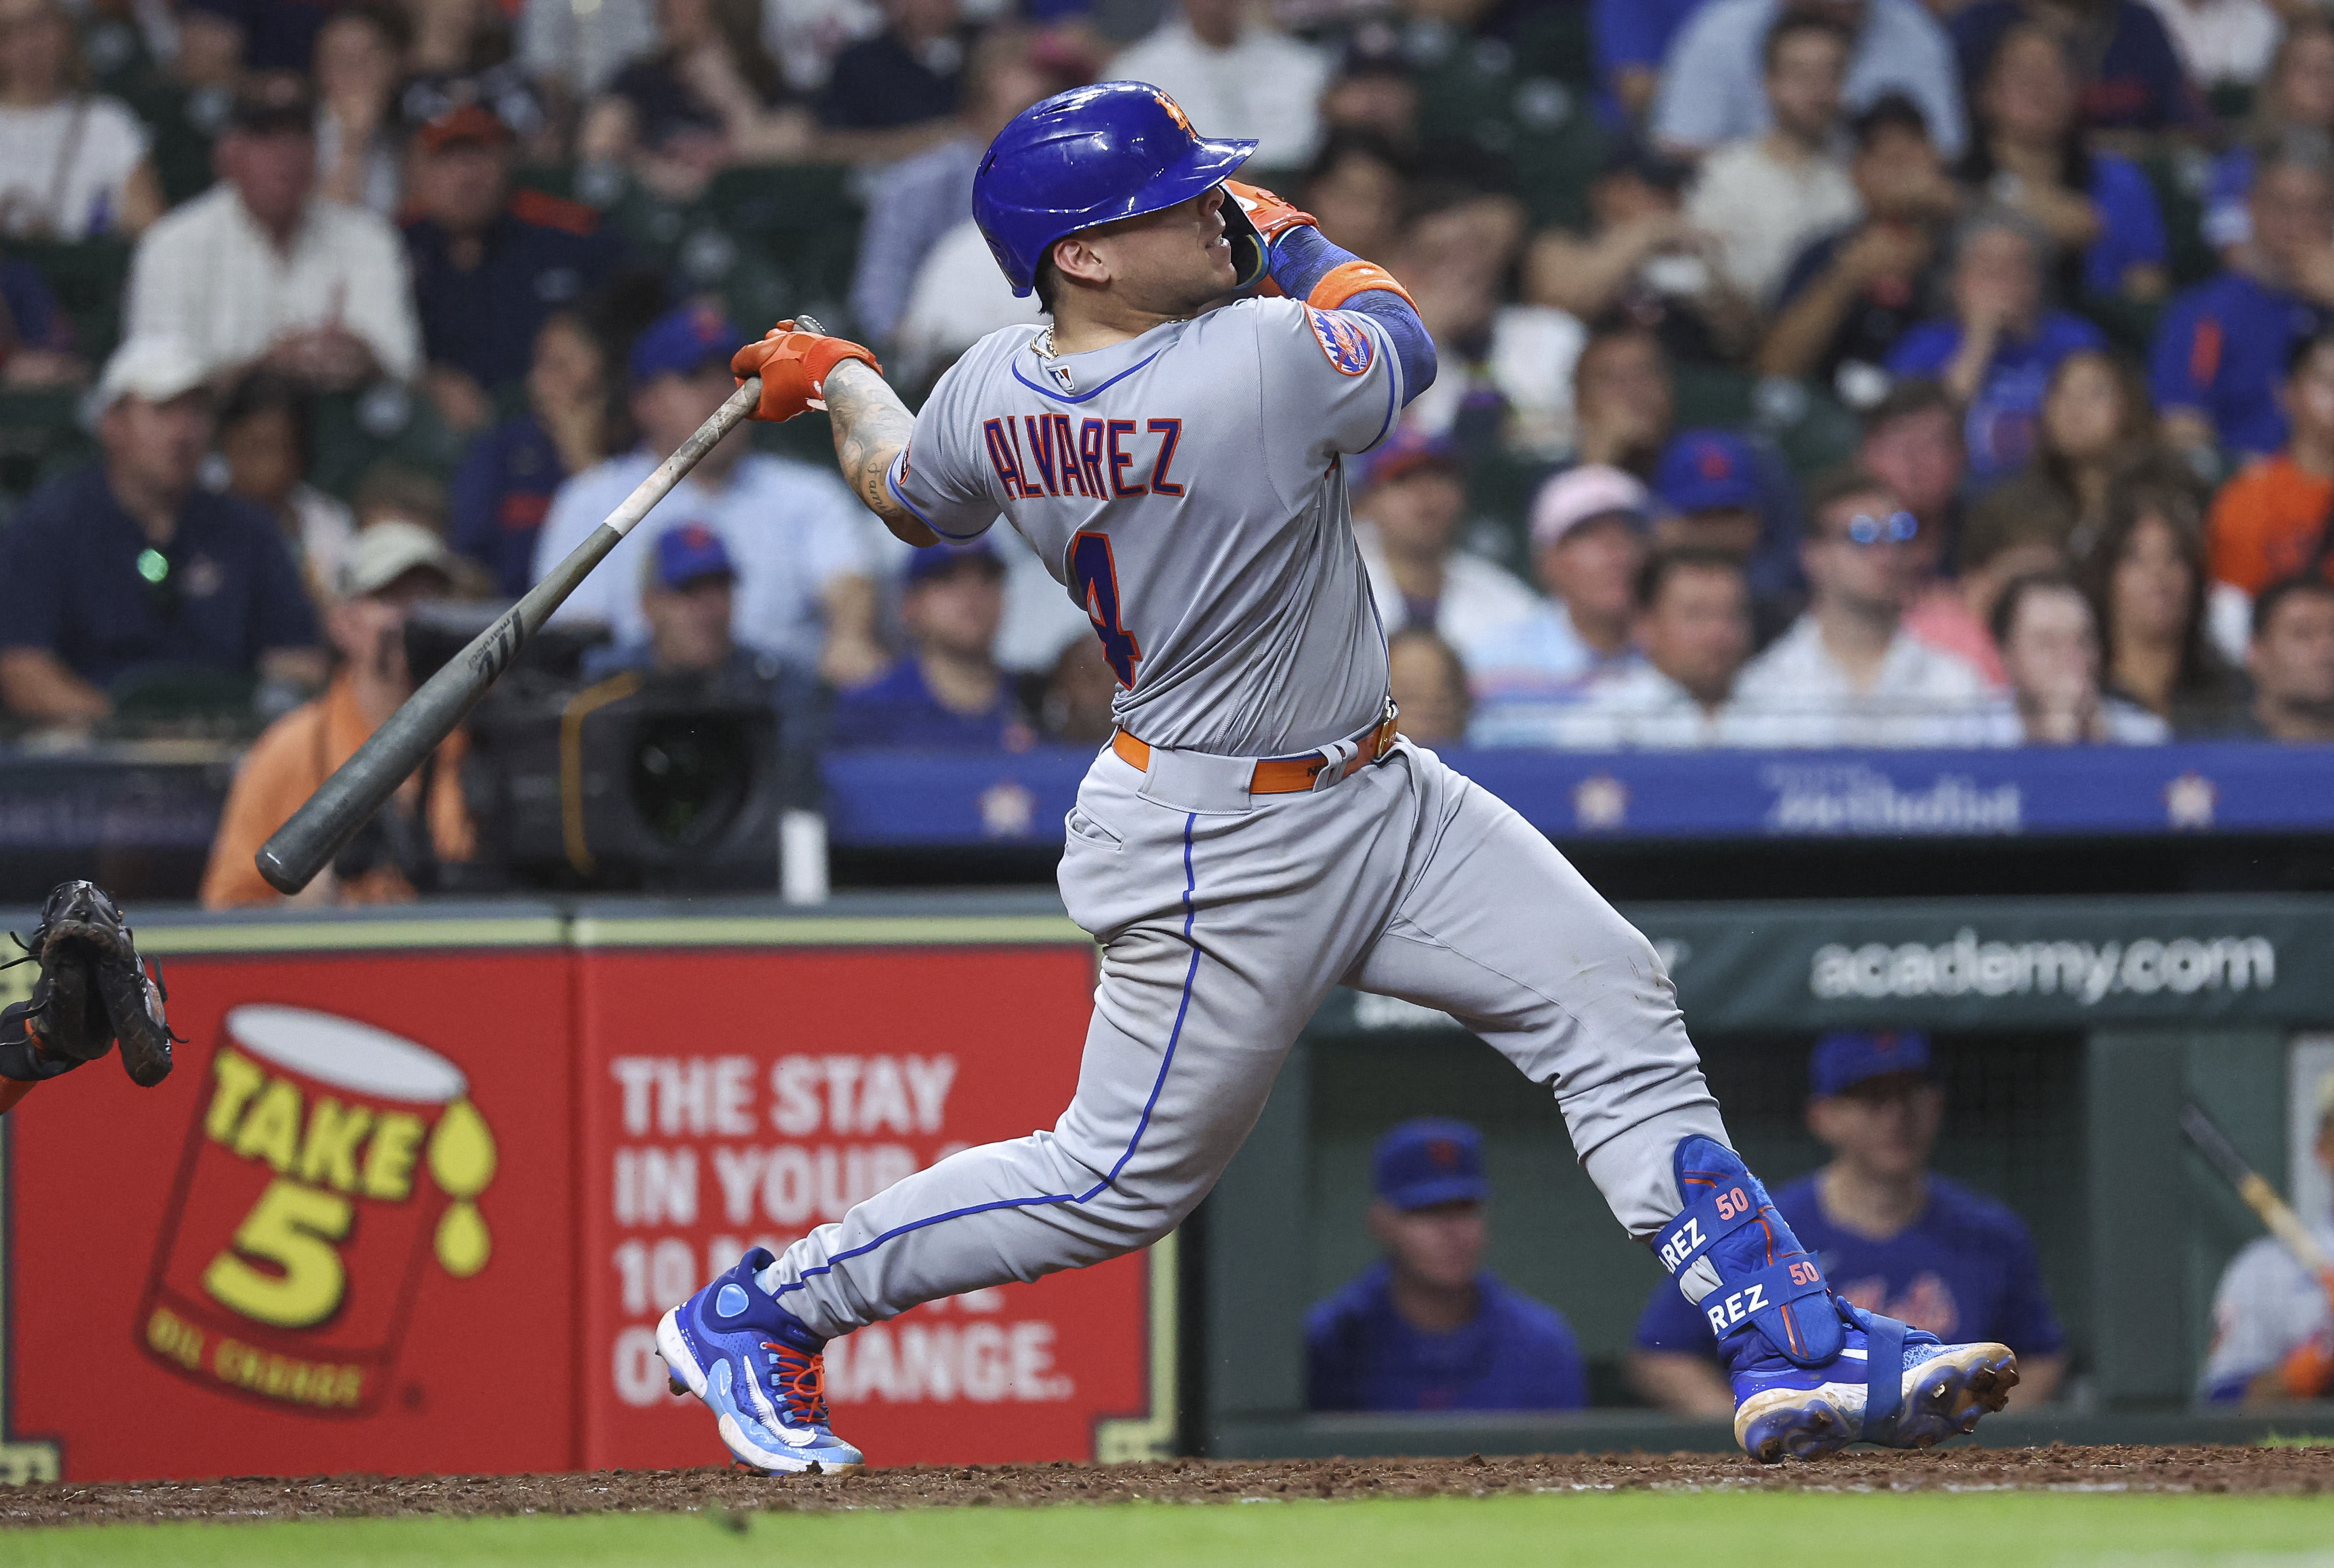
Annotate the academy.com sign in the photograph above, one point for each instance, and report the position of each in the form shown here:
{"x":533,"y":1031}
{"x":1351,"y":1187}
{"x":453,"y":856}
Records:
{"x":2085,"y":972}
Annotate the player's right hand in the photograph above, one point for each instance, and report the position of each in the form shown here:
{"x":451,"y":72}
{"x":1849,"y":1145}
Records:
{"x":1271,"y":216}
{"x":793,"y":367}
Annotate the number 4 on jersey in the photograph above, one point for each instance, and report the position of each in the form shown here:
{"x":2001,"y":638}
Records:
{"x":1096,"y":575}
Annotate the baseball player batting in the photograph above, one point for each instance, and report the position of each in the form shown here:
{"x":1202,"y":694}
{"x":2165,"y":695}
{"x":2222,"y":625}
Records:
{"x":1256,"y":831}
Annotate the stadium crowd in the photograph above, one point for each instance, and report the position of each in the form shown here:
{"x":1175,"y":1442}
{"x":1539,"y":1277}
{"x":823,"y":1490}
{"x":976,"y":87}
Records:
{"x":1815,"y":372}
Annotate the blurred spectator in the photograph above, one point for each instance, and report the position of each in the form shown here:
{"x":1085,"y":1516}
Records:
{"x":956,"y":298}
{"x":1374,"y":87}
{"x":906,"y":76}
{"x":360,"y":65}
{"x":458,"y":38}
{"x":688,"y":598}
{"x":805,"y":585}
{"x":2221,"y":43}
{"x":2276,"y":517}
{"x":1895,"y":1236}
{"x":2224,"y":346}
{"x":575,"y":53}
{"x":1623,"y":399}
{"x":2097,"y":432}
{"x":1718,"y":498}
{"x":2149,"y":584}
{"x":919,"y":198}
{"x":1632,"y":37}
{"x":710,"y":97}
{"x":1076,"y":707}
{"x":1506,"y":376}
{"x":1428,"y":1327}
{"x":1357,"y":187}
{"x":128,"y":571}
{"x":2273,"y":1320}
{"x":1996,"y":352}
{"x":503,"y":490}
{"x":256,"y":35}
{"x":260,"y":268}
{"x":36,"y":341}
{"x":2011,"y":532}
{"x":1693,"y":623}
{"x":1410,"y":498}
{"x":1645,"y":259}
{"x":1764,"y":197}
{"x":391,"y":568}
{"x":1848,"y":297}
{"x":487,"y":270}
{"x":72,"y":162}
{"x":1709,"y":91}
{"x":1588,"y":532}
{"x":266,"y":438}
{"x":2049,"y":646}
{"x":2297,"y":95}
{"x":948,"y":693}
{"x":1913,"y":444}
{"x":1429,"y":683}
{"x":2291,"y":662}
{"x":1235,"y":75}
{"x":1847,"y":673}
{"x":2029,"y":156}
{"x":2132,"y":79}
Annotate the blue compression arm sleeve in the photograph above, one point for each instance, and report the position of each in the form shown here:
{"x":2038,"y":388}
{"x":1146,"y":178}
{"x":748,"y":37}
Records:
{"x":1303,"y":257}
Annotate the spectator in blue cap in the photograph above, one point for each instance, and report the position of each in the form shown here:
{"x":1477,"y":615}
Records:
{"x":1895,"y":1237}
{"x":948,"y":693}
{"x":1725,"y":496}
{"x":1429,"y":1328}
{"x":806,"y":584}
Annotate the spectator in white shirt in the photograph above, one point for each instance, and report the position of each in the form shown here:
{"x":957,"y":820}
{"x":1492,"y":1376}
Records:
{"x":1709,"y":92}
{"x":1410,"y":498}
{"x":360,"y":65}
{"x":72,"y":163}
{"x":2050,"y":643}
{"x":1693,"y":623}
{"x":1847,"y":673}
{"x":2222,"y":43}
{"x":805,"y":586}
{"x":1765,"y":197}
{"x":1588,"y":532}
{"x":1235,"y":76}
{"x":259,"y":269}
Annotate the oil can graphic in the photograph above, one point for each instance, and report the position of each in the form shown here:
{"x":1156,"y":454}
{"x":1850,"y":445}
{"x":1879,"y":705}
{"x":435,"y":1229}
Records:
{"x":334,"y":1169}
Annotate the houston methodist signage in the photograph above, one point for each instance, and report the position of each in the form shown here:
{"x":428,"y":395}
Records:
{"x":418,"y":1189}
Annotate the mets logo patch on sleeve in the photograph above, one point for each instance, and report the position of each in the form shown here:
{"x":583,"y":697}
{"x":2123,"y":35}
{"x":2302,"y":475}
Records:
{"x":1346,"y":345}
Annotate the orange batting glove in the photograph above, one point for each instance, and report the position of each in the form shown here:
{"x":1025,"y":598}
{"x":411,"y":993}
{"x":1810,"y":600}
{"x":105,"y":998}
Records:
{"x":2308,"y":1372}
{"x":1271,"y":216}
{"x":793,"y":367}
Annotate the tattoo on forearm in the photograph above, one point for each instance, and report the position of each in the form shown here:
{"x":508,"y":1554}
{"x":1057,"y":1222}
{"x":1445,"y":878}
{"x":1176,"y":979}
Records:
{"x":871,"y":427}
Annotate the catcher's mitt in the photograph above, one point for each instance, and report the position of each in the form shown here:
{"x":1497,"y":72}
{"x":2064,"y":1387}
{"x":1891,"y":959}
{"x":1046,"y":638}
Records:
{"x":93,"y":989}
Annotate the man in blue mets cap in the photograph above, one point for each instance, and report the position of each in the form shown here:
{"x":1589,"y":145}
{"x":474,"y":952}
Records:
{"x":1428,"y":1327}
{"x":1894,"y":1236}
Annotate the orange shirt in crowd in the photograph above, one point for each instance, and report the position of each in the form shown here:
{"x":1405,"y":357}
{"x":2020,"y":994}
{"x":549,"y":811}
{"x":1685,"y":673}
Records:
{"x":283,"y":767}
{"x":2266,"y":521}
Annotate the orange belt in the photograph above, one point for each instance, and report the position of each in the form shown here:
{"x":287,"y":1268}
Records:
{"x":1284,"y":776}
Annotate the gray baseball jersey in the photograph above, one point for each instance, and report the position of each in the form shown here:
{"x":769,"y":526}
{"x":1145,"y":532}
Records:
{"x":1187,"y":488}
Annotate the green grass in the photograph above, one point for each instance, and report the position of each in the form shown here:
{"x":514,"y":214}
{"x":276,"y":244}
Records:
{"x":2295,"y":1440}
{"x":1644,"y":1529}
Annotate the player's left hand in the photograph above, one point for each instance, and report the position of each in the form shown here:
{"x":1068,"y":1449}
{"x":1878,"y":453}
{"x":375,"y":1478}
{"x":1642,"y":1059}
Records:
{"x":1269,"y":214}
{"x":793,"y":367}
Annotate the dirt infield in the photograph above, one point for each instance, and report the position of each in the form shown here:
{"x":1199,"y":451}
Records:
{"x":2058,"y":1467}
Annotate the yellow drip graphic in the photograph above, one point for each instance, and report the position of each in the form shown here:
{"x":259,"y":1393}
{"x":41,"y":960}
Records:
{"x":462,"y":1162}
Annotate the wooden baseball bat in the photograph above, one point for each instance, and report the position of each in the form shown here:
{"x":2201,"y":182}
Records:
{"x":2259,"y":1195}
{"x":345,"y":802}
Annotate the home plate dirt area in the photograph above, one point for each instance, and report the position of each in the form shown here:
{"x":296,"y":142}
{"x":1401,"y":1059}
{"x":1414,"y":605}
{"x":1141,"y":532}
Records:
{"x":2192,"y":1469}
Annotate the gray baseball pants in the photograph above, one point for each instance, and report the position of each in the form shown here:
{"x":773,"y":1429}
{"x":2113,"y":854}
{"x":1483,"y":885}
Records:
{"x":1224,"y":920}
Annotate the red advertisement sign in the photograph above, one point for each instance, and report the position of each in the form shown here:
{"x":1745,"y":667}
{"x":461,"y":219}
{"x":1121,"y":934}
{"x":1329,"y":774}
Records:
{"x":417,"y":1208}
{"x":339,"y":1236}
{"x":743,"y":1098}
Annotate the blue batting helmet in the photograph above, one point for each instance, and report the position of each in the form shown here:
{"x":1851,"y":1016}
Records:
{"x":1091,"y":156}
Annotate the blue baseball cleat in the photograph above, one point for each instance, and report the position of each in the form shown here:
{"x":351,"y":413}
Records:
{"x":1810,"y":1373}
{"x":760,"y":1371}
